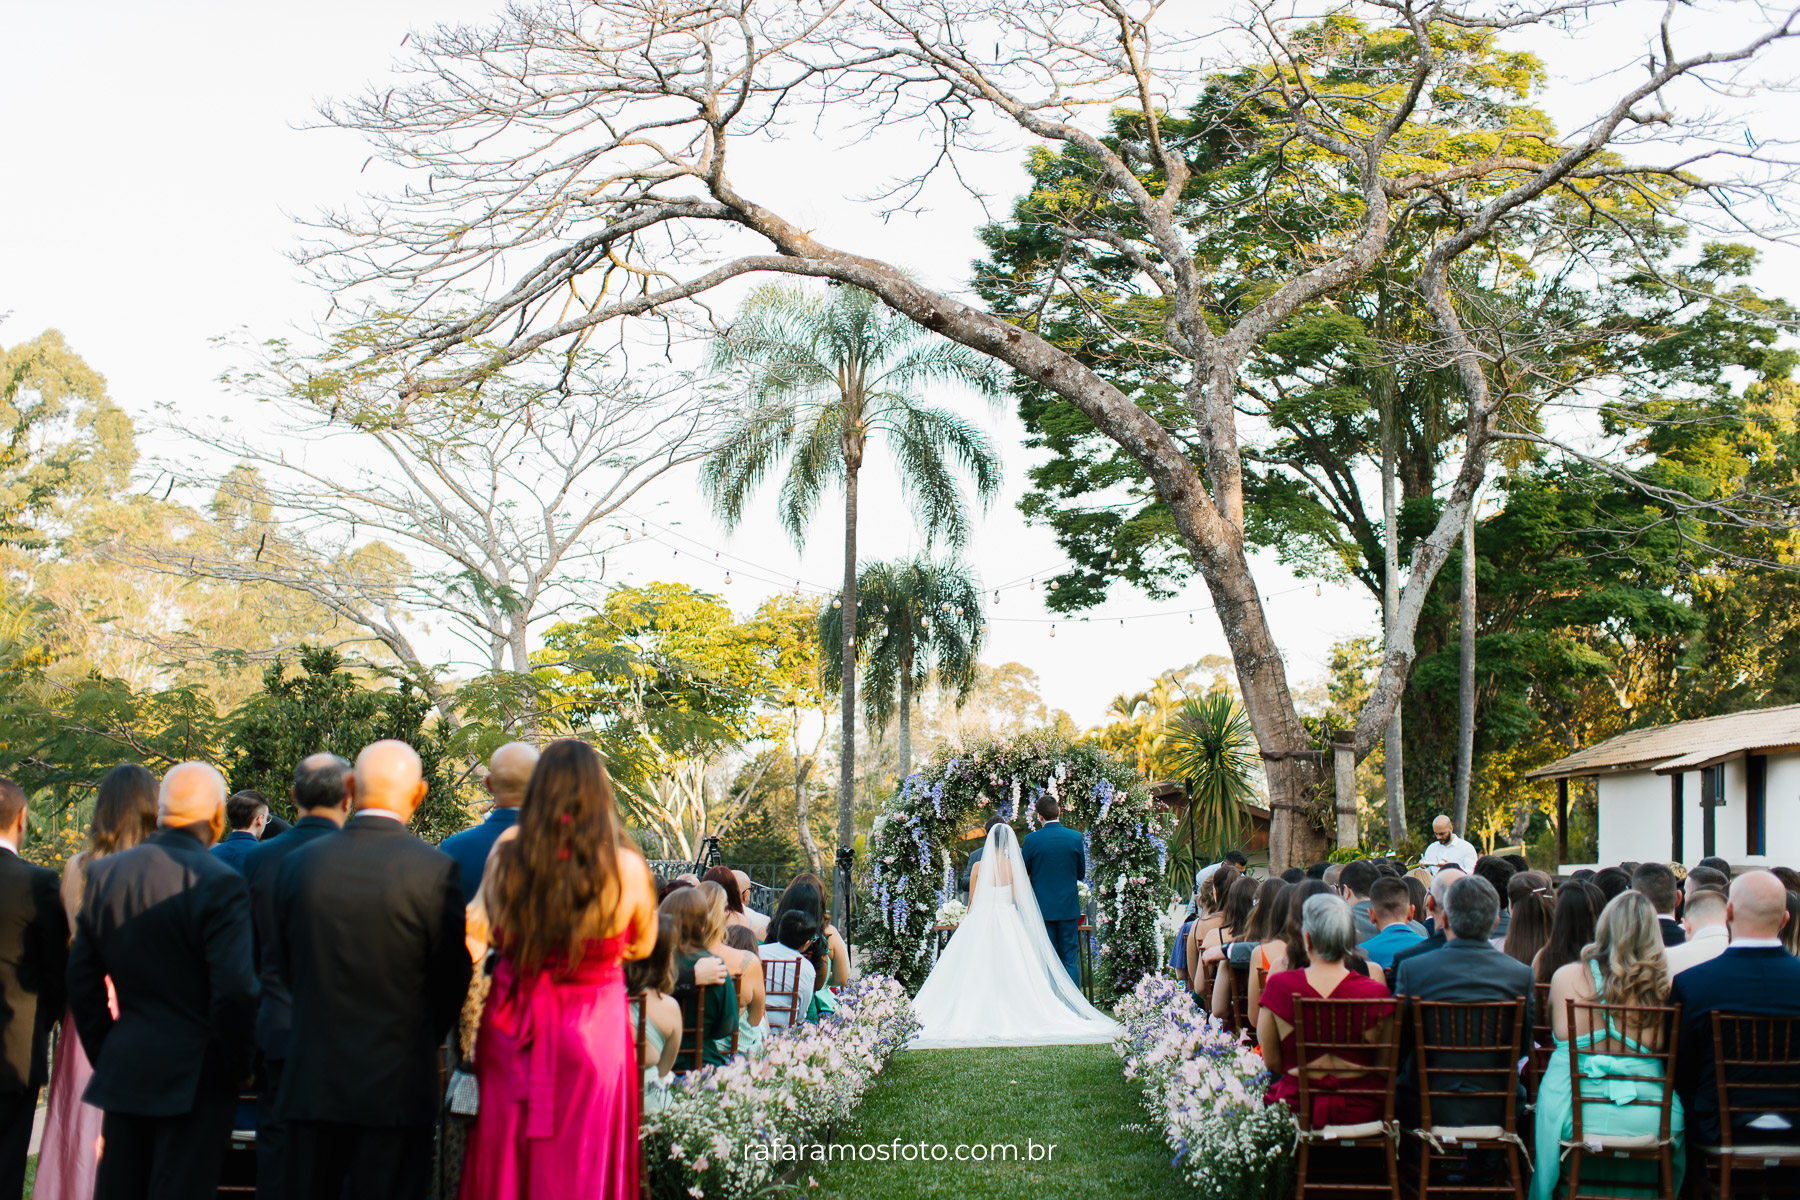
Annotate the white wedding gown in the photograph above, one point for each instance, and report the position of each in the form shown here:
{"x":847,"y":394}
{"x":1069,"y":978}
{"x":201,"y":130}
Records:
{"x":999,"y":982}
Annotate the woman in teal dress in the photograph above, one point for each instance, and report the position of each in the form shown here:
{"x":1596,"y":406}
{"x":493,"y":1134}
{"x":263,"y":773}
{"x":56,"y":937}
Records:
{"x":1624,"y":965}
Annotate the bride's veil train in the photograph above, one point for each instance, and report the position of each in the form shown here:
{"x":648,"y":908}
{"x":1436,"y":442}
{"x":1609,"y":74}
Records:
{"x":999,"y":982}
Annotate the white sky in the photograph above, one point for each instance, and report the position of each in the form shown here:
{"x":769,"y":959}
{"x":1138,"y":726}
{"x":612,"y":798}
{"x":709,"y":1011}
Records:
{"x":155,"y":170}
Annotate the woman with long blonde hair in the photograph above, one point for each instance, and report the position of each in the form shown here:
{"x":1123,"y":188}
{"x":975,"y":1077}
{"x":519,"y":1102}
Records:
{"x":1624,"y":966}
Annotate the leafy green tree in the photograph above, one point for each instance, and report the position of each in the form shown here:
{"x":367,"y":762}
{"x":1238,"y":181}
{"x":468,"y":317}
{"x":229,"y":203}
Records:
{"x":828,"y":374}
{"x":1212,"y":748}
{"x":788,"y":635}
{"x":929,"y":625}
{"x":327,"y":706}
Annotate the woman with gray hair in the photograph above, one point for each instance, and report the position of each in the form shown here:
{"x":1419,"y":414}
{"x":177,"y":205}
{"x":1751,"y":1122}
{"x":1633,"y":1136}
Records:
{"x":1329,"y":933}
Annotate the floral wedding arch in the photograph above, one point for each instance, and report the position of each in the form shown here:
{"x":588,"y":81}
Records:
{"x":908,"y":870}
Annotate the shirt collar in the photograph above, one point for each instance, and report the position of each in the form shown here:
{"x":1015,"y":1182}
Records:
{"x":1751,"y":943}
{"x":377,"y":812}
{"x":6,"y":844}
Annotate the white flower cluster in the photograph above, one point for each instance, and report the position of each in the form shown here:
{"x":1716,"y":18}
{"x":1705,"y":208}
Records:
{"x":952,"y":912}
{"x":1083,"y":893}
{"x":1205,"y":1086}
{"x":808,"y":1078}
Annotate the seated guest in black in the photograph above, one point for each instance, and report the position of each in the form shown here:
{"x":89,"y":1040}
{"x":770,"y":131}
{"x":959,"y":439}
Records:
{"x":1658,"y":885}
{"x":321,"y":796}
{"x":34,"y":955}
{"x":1755,"y":976}
{"x":369,"y":940}
{"x":1467,"y":970}
{"x":169,"y":925}
{"x":1434,"y":908}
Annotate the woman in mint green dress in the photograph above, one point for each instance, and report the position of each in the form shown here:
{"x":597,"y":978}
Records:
{"x":1624,"y":965}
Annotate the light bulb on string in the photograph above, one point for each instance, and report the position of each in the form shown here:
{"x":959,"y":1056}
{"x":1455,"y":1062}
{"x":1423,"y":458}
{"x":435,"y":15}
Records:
{"x":945,"y":606}
{"x":1053,"y":629}
{"x":1034,"y":583}
{"x":837,"y":604}
{"x":1190,"y":618}
{"x":959,"y":612}
{"x":727,"y":576}
{"x":1318,"y":589}
{"x":1054,"y":585}
{"x":628,"y":535}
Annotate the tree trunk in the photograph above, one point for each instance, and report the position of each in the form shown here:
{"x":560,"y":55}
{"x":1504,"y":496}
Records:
{"x":802,"y":807}
{"x":906,"y":694}
{"x":1390,"y":608}
{"x":840,"y":892}
{"x":1465,"y":715}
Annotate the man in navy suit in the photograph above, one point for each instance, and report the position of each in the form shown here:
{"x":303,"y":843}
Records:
{"x":247,"y":813}
{"x":1755,"y":976}
{"x":509,"y":770}
{"x":1056,"y":862}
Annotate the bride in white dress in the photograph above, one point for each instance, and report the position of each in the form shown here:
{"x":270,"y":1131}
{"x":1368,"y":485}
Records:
{"x":999,"y":982}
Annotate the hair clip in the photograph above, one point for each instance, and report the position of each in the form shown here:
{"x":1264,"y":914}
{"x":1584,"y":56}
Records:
{"x":565,"y":818}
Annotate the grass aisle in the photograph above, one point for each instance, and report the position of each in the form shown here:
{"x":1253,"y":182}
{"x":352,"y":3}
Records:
{"x":1071,"y":1096}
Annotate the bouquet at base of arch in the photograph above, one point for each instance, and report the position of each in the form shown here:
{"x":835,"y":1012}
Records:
{"x":1204,"y":1088}
{"x":951,"y":912}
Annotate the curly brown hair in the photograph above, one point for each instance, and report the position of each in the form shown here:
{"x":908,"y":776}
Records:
{"x":563,"y":865}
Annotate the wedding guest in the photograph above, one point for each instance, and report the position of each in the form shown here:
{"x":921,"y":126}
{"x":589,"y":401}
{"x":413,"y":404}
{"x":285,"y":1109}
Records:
{"x":1466,"y":969}
{"x":1658,"y":884}
{"x":1705,"y":877}
{"x":1498,"y":872}
{"x":1211,"y":918}
{"x":696,"y":927}
{"x":1328,"y":934}
{"x":807,"y":893}
{"x":1390,"y":905}
{"x":1625,"y":965}
{"x":793,"y":935}
{"x":1243,"y":950}
{"x":1354,"y":883}
{"x":1578,"y":907}
{"x":369,"y":940}
{"x":165,"y":928}
{"x":1235,"y":910}
{"x":1435,"y":899}
{"x":570,"y":902}
{"x":1418,"y":883}
{"x":758,"y":923}
{"x":247,"y":813}
{"x":753,"y":1018}
{"x":1271,"y":949}
{"x":1704,"y":921}
{"x":124,"y":815}
{"x":34,"y":955}
{"x":727,"y":882}
{"x":509,"y":770}
{"x":1533,"y":914}
{"x":1612,"y":881}
{"x":321,"y":795}
{"x":1755,"y":976}
{"x":667,"y":886}
{"x":1713,"y":862}
{"x":649,"y":982}
{"x":745,"y":968}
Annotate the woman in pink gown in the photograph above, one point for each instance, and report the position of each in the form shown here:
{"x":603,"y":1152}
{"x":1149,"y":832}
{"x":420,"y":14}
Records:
{"x":69,"y":1156}
{"x":570,"y":901}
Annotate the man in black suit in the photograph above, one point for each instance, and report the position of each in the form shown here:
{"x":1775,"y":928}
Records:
{"x":369,"y":940}
{"x":1434,"y":920}
{"x":34,"y":954}
{"x":1658,"y":885}
{"x":1466,"y":970}
{"x":1755,"y":976}
{"x":169,"y":924}
{"x":962,"y":882}
{"x":321,"y":795}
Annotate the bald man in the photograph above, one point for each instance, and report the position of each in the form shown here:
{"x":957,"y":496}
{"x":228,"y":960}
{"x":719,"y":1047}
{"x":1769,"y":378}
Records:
{"x":369,"y":940}
{"x":509,"y":771}
{"x":1755,"y":976}
{"x":1447,"y":850}
{"x":169,"y":924}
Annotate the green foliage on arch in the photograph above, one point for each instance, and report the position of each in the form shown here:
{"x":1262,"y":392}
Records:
{"x":908,"y":870}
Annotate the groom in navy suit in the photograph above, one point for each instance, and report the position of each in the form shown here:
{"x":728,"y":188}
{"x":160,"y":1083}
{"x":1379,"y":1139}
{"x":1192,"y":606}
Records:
{"x":1054,"y":859}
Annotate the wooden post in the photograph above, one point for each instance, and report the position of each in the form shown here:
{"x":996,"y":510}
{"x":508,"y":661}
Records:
{"x":1677,"y":828}
{"x":1343,"y":754}
{"x":1562,"y":821}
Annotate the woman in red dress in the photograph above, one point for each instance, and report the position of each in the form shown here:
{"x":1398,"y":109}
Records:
{"x":1330,"y":937}
{"x":570,"y":900}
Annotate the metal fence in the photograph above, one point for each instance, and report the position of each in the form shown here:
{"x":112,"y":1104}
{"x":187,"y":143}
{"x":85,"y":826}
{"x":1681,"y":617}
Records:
{"x":767,"y":880}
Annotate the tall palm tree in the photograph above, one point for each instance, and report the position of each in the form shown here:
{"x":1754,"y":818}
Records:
{"x":916,"y":618}
{"x":1211,"y":745}
{"x":828,"y":373}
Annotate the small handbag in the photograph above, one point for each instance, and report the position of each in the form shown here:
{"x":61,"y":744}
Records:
{"x":463,"y":1096}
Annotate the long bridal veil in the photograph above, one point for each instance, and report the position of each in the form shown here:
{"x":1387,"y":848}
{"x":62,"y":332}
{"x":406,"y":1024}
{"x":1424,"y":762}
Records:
{"x":999,"y":981}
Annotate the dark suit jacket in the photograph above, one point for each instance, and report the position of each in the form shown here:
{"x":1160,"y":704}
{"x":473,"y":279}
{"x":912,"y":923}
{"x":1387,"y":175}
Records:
{"x":171,"y":925}
{"x":1749,"y":981}
{"x":237,"y":844}
{"x":1672,"y":932}
{"x":969,"y":867}
{"x":1055,"y":860}
{"x":34,"y":956}
{"x":369,"y":939}
{"x":274,"y":1019}
{"x":1435,"y":941}
{"x":470,"y":847}
{"x":1463,"y":971}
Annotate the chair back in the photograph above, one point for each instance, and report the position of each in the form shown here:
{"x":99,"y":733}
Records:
{"x":693,"y":1024}
{"x":1542,"y":1044}
{"x":1640,"y":1042}
{"x":1238,"y":1018}
{"x":781,"y":989}
{"x":1757,"y":1063}
{"x":1327,"y":1030}
{"x":1467,"y":1056}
